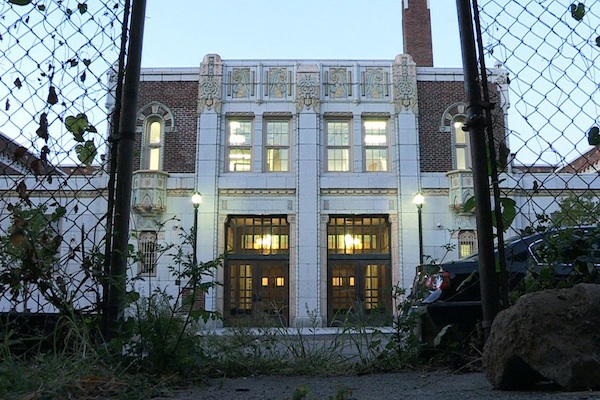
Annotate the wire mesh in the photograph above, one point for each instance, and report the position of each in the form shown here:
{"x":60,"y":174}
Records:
{"x":550,"y":51}
{"x":57,"y":85}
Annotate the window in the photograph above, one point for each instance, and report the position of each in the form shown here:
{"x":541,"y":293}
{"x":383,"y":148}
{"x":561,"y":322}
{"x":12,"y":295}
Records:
{"x":277,"y":145}
{"x":239,"y":140}
{"x":461,"y":144}
{"x":467,"y":243}
{"x":338,"y":146}
{"x":152,"y":158}
{"x":147,"y":251}
{"x":258,"y":235}
{"x":376,"y":145}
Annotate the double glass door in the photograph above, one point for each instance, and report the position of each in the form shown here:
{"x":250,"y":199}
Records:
{"x":258,"y":291}
{"x":359,"y":290}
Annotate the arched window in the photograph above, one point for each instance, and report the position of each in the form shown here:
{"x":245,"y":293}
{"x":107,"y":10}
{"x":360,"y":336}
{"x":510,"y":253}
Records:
{"x":467,"y":243}
{"x":462,"y":151}
{"x":154,"y":122}
{"x":153,"y":143}
{"x":453,"y":122}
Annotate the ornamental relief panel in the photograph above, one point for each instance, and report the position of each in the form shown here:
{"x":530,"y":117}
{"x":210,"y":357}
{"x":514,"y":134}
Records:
{"x":211,"y":79}
{"x":278,"y":81}
{"x":405,"y":84}
{"x":308,"y":92}
{"x":240,"y":83}
{"x":375,"y":83}
{"x":338,"y":83}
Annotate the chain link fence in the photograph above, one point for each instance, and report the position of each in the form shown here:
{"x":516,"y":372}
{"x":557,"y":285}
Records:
{"x":549,"y":50}
{"x":57,"y":83}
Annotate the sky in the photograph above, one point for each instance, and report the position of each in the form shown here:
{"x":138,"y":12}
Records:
{"x":180,"y":33}
{"x":531,"y":41}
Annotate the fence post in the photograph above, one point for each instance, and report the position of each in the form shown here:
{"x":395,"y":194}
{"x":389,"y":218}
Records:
{"x":125,"y":151}
{"x":483,"y":210}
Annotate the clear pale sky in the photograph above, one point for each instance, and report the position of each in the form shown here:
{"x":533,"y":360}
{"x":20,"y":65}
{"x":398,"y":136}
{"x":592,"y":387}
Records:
{"x":179,"y":33}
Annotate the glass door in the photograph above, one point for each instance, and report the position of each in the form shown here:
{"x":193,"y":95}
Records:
{"x":359,"y":290}
{"x":258,"y":292}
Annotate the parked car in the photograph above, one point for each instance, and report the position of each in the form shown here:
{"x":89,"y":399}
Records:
{"x":450,"y":292}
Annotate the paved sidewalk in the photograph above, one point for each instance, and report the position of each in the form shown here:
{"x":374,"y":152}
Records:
{"x":401,"y":385}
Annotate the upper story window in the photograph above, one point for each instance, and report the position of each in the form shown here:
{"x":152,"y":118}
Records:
{"x":153,"y":141}
{"x":376,"y":145}
{"x":277,"y":145}
{"x":338,"y":146}
{"x":239,"y":145}
{"x":462,"y":151}
{"x":154,"y":122}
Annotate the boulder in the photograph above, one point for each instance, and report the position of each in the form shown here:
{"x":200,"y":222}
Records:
{"x":553,"y":335}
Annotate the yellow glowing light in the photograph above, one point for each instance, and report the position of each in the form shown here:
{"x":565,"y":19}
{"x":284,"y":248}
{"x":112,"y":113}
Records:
{"x":280,"y":281}
{"x":351,"y":281}
{"x":265,"y":281}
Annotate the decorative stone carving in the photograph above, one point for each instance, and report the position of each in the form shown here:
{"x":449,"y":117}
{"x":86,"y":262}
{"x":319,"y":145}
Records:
{"x":277,"y":83}
{"x":375,"y":83}
{"x":157,"y":109}
{"x":308,"y":92}
{"x":405,"y":84}
{"x":211,"y":79}
{"x":242,"y":84}
{"x":338,"y":85}
{"x":461,"y":189}
{"x":452,"y":111}
{"x":149,"y":192}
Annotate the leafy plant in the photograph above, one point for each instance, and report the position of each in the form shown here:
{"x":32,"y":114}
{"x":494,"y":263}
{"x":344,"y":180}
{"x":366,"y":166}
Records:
{"x":163,"y":329}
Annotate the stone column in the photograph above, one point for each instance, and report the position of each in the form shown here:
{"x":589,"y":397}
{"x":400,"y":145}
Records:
{"x":307,"y":195}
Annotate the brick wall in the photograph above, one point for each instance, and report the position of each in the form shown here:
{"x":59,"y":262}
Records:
{"x":436,"y":146}
{"x":181,"y":97}
{"x":416,"y":29}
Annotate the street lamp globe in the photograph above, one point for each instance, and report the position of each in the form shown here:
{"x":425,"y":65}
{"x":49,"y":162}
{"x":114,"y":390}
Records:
{"x":196,"y":199}
{"x":418,"y":200}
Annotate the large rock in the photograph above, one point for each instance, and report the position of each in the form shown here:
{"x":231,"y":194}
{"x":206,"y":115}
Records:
{"x":552,"y":335}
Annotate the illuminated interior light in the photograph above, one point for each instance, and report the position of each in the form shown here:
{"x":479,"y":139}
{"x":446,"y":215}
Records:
{"x":280,"y":281}
{"x":375,"y":140}
{"x":236,"y":140}
{"x":375,"y":124}
{"x":265,"y":281}
{"x":351,"y":281}
{"x":240,"y":156}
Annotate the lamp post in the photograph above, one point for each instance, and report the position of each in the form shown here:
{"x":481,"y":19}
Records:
{"x":418,"y":200}
{"x":196,"y":200}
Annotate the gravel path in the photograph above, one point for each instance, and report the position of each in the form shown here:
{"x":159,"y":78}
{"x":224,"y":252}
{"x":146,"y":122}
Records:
{"x":401,"y":385}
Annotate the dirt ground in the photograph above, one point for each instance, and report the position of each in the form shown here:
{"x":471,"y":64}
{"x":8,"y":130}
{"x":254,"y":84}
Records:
{"x":401,"y":385}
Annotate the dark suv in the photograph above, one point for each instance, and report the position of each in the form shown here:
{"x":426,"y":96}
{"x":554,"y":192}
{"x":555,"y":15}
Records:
{"x":451,"y":293}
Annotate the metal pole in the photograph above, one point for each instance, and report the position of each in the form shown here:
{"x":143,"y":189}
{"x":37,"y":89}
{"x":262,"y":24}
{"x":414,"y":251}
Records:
{"x":117,"y":279}
{"x":115,"y":122}
{"x":420,"y":218}
{"x":483,"y":210}
{"x":195,"y":238}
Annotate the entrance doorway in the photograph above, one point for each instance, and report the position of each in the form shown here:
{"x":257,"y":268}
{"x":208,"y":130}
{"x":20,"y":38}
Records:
{"x":358,"y":270}
{"x":257,"y":270}
{"x":259,"y":291}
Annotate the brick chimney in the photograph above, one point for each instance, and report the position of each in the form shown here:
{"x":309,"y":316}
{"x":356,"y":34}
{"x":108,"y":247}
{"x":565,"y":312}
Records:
{"x":416,"y":31}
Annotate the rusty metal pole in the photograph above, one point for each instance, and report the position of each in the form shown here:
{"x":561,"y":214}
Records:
{"x":483,"y":210}
{"x":125,"y":155}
